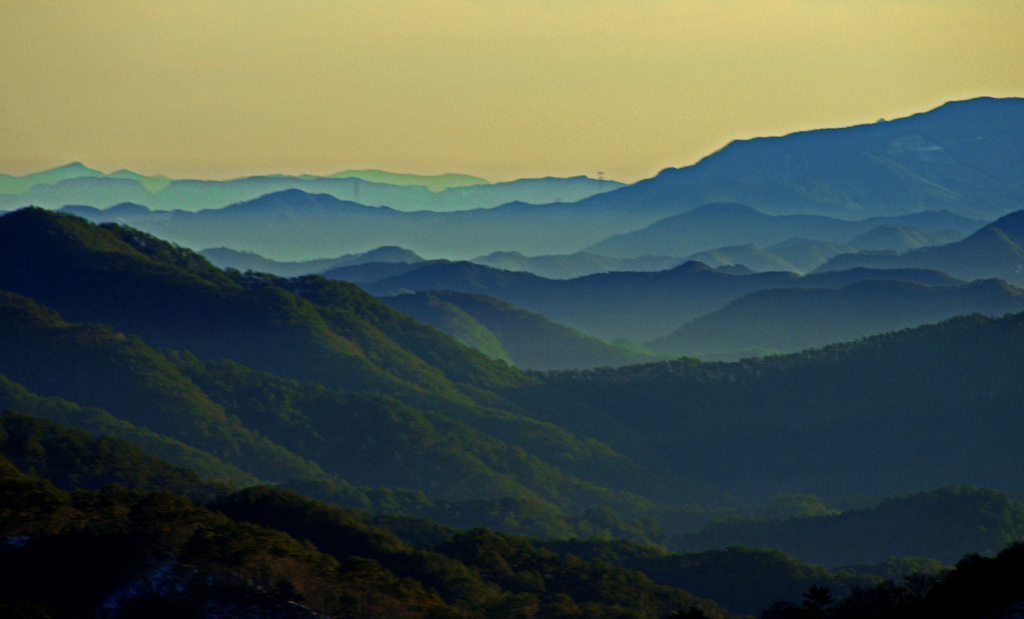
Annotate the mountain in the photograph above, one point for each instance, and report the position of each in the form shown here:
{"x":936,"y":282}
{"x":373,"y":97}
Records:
{"x":309,"y":226}
{"x":996,"y":250}
{"x":754,"y":258}
{"x":789,"y":320}
{"x":894,"y":413}
{"x":76,"y":184}
{"x":107,"y":316}
{"x":503,"y":331}
{"x":892,"y":237}
{"x":72,"y":460}
{"x":726,"y":224}
{"x":369,"y":272}
{"x":94,"y":366}
{"x":573,"y":265}
{"x":635,"y":306}
{"x":438,"y":182}
{"x":19,"y":184}
{"x":805,"y":254}
{"x":308,"y":334}
{"x":225,"y":258}
{"x":962,"y":156}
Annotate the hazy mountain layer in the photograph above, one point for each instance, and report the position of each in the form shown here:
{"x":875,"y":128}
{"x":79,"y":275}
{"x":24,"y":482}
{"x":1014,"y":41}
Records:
{"x":799,"y":318}
{"x":502,"y":331}
{"x":78,"y":185}
{"x":996,"y":250}
{"x":225,"y":258}
{"x":573,"y":265}
{"x":722,"y":225}
{"x":903,"y":412}
{"x":636,"y":306}
{"x":801,"y":256}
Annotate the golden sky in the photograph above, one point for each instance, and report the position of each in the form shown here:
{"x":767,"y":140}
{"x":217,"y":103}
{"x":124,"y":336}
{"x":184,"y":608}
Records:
{"x":501,"y":89}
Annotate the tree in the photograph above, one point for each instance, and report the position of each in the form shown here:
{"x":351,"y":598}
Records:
{"x":817,"y":600}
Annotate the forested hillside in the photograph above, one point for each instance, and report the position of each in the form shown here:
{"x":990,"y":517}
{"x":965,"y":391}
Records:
{"x":312,"y":386}
{"x":330,"y":365}
{"x":913,"y":409}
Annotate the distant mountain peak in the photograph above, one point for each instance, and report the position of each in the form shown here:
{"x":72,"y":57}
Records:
{"x":692,"y":266}
{"x":71,"y":167}
{"x":726,"y":208}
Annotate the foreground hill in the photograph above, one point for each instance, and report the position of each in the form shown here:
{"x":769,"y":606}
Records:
{"x":479,"y":572}
{"x":790,"y":320}
{"x":965,"y":519}
{"x":439,"y":393}
{"x":123,"y":553}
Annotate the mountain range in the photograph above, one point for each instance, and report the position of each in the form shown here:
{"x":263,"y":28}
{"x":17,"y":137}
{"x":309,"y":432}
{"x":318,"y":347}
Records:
{"x":244,"y":330}
{"x":502,"y":331}
{"x":313,"y":384}
{"x":301,"y":448}
{"x":723,"y":224}
{"x":794,"y":319}
{"x":225,"y":258}
{"x":996,"y":250}
{"x":805,"y":255}
{"x":960,"y":157}
{"x":636,"y":306}
{"x":441,"y":396}
{"x":79,"y":185}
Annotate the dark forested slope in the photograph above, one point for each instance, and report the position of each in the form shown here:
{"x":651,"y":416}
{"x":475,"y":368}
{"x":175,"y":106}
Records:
{"x":914,"y":409}
{"x":439,"y":400}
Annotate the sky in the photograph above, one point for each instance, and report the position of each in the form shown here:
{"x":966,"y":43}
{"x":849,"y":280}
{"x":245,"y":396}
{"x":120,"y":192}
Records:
{"x":501,"y":89}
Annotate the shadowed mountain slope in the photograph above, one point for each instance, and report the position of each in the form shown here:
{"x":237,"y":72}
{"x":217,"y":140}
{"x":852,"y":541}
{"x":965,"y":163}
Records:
{"x":909,"y":410}
{"x":799,"y":318}
{"x":725,"y":224}
{"x":523,"y":338}
{"x":635,"y":306}
{"x":963,"y":156}
{"x":439,"y":393}
{"x":573,"y":265}
{"x":225,"y":258}
{"x":996,"y":250}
